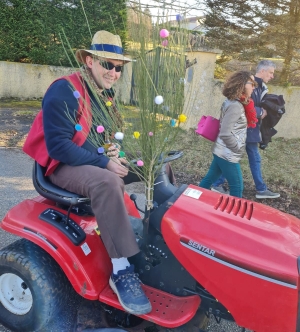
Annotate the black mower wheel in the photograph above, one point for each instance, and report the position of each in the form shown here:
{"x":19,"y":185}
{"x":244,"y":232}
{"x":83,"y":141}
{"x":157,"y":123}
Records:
{"x":198,"y":322}
{"x":115,"y":318}
{"x":32,"y":287}
{"x":203,"y":320}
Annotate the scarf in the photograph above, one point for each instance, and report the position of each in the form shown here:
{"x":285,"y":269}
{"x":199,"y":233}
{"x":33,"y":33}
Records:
{"x":104,"y":97}
{"x":250,"y":111}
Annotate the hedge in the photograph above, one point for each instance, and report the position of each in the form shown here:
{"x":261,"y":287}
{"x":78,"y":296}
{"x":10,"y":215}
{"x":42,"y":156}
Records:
{"x":30,"y":30}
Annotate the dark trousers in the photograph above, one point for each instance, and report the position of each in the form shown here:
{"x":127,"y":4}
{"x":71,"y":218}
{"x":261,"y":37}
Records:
{"x":106,"y":192}
{"x":255,"y":166}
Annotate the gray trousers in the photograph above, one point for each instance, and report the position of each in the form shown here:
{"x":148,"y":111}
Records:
{"x":106,"y":192}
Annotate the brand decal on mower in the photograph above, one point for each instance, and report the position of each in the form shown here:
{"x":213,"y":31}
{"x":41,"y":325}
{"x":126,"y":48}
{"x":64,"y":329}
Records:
{"x":201,"y":248}
{"x":211,"y":254}
{"x":41,"y":236}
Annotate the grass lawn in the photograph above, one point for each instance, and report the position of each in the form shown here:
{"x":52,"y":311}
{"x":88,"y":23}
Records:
{"x":280,"y":160}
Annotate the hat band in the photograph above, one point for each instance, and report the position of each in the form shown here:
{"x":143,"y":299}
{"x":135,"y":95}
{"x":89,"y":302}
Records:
{"x":107,"y":48}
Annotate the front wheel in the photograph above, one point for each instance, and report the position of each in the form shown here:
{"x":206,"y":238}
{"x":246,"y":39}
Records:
{"x":32,"y":287}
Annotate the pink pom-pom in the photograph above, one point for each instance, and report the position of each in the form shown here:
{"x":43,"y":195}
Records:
{"x":140,"y":163}
{"x":100,"y":129}
{"x":165,"y":43}
{"x":164,"y":33}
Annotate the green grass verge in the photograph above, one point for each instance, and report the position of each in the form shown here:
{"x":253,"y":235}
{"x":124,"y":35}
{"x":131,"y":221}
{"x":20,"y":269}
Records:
{"x":280,"y":160}
{"x":20,"y":104}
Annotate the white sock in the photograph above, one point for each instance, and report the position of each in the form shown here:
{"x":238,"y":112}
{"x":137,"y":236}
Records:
{"x":119,"y":264}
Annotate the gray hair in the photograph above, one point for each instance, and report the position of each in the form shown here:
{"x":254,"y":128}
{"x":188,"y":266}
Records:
{"x":265,"y":64}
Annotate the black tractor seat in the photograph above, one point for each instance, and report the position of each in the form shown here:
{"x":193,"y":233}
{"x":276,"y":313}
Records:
{"x":64,"y":198}
{"x":47,"y":189}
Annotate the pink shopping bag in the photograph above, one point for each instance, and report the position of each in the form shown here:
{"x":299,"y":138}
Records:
{"x":208,"y":127}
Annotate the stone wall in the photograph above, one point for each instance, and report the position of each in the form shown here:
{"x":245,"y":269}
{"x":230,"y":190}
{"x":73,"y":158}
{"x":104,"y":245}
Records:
{"x":289,"y":125}
{"x":27,"y":81}
{"x":203,"y":92}
{"x":208,"y":99}
{"x":204,"y":96}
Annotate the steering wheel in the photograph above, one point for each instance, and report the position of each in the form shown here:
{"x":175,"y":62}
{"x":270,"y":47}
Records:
{"x":172,"y":155}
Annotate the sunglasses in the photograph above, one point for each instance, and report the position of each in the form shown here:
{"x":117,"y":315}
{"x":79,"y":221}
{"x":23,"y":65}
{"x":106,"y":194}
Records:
{"x":110,"y":66}
{"x":252,"y":83}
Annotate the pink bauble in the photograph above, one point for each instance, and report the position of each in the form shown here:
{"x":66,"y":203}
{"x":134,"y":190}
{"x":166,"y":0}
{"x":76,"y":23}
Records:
{"x":100,"y":129}
{"x":140,"y":163}
{"x":164,"y":33}
{"x":164,"y":43}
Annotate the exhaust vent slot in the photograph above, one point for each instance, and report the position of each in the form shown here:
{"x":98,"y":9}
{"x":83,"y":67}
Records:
{"x":224,"y":204}
{"x":220,"y":200}
{"x":235,"y":206}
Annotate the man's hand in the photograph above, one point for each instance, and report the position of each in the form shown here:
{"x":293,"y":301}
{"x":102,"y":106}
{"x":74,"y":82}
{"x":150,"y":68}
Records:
{"x":264,"y":114}
{"x":115,"y":166}
{"x":113,"y":150}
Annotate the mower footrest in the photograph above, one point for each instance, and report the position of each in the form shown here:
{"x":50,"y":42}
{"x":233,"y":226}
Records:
{"x":167,"y":310}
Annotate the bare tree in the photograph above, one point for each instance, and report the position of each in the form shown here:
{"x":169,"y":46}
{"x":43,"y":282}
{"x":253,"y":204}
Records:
{"x":249,"y":30}
{"x":166,"y":9}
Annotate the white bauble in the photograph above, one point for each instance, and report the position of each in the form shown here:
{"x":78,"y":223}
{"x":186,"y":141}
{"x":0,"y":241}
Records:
{"x":119,"y":135}
{"x":158,"y":100}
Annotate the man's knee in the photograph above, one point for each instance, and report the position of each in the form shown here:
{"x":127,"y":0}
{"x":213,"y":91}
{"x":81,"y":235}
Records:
{"x":109,"y":181}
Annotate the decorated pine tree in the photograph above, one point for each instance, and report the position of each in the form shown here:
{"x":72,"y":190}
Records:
{"x":159,"y":95}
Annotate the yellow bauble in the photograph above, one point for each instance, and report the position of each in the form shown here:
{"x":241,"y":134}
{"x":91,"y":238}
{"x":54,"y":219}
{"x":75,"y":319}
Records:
{"x":136,"y":134}
{"x":182,"y":118}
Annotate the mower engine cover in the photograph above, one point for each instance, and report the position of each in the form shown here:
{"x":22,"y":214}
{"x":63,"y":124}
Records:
{"x":244,"y":253}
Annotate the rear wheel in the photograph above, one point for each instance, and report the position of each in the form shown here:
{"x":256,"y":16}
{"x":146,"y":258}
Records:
{"x":32,"y":287}
{"x":15,"y":295}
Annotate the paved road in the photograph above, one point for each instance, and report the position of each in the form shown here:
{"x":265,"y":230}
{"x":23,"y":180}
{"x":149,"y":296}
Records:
{"x":15,"y":186}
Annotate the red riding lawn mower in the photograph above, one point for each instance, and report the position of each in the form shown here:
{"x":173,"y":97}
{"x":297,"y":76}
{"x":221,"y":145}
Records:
{"x":201,"y":252}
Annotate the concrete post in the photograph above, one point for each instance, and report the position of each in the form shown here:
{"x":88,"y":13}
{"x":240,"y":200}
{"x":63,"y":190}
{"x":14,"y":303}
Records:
{"x":201,"y":91}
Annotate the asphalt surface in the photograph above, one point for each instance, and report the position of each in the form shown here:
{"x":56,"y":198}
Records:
{"x":15,"y":186}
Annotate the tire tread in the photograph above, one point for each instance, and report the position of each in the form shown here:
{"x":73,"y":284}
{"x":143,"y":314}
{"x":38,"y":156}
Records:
{"x":43,"y":270}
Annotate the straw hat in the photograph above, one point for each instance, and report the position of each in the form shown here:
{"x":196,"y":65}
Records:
{"x":104,"y":45}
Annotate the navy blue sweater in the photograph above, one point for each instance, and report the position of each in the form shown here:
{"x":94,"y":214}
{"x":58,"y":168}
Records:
{"x":59,"y":129}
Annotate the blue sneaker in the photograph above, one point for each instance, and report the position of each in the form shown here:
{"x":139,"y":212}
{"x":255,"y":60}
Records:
{"x":219,"y":189}
{"x":127,"y":287}
{"x":266,"y":194}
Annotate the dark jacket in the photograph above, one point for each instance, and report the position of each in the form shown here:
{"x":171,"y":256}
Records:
{"x":253,"y":134}
{"x":274,"y":105}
